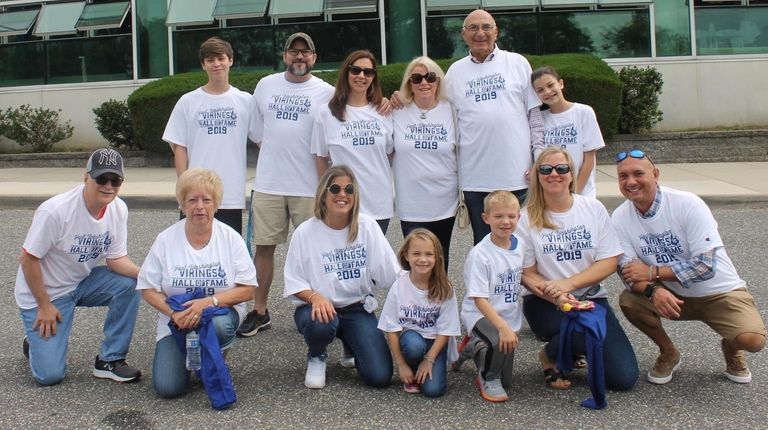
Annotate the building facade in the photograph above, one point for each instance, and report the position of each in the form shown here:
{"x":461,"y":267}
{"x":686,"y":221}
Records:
{"x":74,"y":55}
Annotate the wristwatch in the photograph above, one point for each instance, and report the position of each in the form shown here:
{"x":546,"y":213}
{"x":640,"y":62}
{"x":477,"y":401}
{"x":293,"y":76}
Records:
{"x":215,"y":301}
{"x":650,"y":289}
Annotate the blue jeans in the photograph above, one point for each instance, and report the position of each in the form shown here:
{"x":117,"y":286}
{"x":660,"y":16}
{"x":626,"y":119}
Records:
{"x":414,"y":347}
{"x":621,"y":369}
{"x":475,"y":207}
{"x":170,"y":377}
{"x":443,"y":229}
{"x":48,"y":357}
{"x":358,"y":332}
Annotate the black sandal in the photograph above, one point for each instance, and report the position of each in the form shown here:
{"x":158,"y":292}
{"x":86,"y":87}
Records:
{"x":552,"y":375}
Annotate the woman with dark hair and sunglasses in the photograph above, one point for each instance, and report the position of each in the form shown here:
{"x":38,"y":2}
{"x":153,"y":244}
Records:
{"x":424,"y":164}
{"x":352,"y":131}
{"x":334,"y":262}
{"x":571,"y":248}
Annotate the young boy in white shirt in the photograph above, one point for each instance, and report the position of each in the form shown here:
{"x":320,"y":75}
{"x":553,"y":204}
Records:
{"x":491,"y":310}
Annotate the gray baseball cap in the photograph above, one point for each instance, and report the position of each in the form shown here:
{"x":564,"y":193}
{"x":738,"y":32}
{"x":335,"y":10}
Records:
{"x":105,"y":160}
{"x":299,"y":35}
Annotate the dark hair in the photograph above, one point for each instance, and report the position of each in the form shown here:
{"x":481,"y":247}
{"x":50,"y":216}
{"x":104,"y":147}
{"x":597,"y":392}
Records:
{"x":545,"y":70}
{"x":213,"y":47}
{"x":338,"y":103}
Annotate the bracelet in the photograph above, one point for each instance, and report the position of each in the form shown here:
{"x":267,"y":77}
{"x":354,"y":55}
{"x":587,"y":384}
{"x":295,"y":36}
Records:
{"x":657,"y":274}
{"x":309,"y":299}
{"x":429,"y":359}
{"x":650,"y":273}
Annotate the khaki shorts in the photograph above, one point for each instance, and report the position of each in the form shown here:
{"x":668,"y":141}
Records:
{"x":728,"y":314}
{"x":271,"y":214}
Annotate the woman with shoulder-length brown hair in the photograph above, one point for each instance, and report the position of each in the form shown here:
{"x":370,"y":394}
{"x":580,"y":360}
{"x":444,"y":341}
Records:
{"x":351,"y":131}
{"x":334,"y":262}
{"x":571,"y":248}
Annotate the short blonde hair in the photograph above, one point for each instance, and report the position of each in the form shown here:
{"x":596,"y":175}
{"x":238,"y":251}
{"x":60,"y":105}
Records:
{"x":502,"y":197}
{"x":406,"y":92}
{"x":336,"y":171}
{"x":198,"y":178}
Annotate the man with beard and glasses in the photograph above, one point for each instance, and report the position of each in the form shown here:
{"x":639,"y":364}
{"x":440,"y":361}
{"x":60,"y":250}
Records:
{"x":209,"y":128}
{"x":286,"y":173}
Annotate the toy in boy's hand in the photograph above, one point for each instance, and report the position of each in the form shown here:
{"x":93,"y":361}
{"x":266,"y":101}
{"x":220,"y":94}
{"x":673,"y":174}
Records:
{"x":584,"y":305}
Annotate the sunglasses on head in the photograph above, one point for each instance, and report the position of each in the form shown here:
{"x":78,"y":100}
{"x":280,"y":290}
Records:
{"x":367,"y":71}
{"x":561,"y":169}
{"x":336,"y":189}
{"x":429,"y":77}
{"x":103,"y":179}
{"x":635,"y":153}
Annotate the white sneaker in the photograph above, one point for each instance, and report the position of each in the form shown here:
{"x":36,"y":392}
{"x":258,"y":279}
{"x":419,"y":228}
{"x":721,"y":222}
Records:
{"x":347,"y":359}
{"x":315,"y":377}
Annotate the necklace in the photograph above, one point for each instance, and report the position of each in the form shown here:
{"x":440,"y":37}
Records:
{"x":425,"y":111}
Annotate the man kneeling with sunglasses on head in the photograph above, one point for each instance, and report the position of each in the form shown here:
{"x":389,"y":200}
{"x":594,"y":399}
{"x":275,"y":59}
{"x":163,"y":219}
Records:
{"x":71,"y":234}
{"x":675,"y":266}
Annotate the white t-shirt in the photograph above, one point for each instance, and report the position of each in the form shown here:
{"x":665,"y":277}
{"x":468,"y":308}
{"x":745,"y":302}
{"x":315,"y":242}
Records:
{"x":682,"y":228}
{"x":408,"y":308}
{"x":174,"y":267}
{"x":585,"y":235}
{"x":70,"y":243}
{"x":321,"y":259}
{"x":363,"y":143}
{"x":424,"y":165}
{"x":576,"y":130}
{"x":492,"y":101}
{"x":214,"y":129}
{"x":284,"y":115}
{"x":494,"y":273}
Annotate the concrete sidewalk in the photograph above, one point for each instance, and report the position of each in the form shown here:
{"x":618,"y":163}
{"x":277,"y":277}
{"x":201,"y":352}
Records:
{"x":720,"y":184}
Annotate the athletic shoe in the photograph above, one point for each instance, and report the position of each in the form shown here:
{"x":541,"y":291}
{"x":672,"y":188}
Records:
{"x":25,"y":347}
{"x":663,"y":369}
{"x":116,"y":370}
{"x":736,"y":365}
{"x":463,"y":356}
{"x":254,"y":322}
{"x":347,"y":359}
{"x":492,"y":390}
{"x":315,"y":377}
{"x":412,"y":388}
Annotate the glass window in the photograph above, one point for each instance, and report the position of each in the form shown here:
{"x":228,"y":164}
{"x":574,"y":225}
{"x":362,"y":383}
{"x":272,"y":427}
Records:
{"x":673,"y":29}
{"x":17,"y":23}
{"x":190,"y":12}
{"x":239,"y":8}
{"x":30,"y":71}
{"x":103,"y":16}
{"x":350,"y":6}
{"x":295,"y":8}
{"x":452,"y":4}
{"x":151,"y":39}
{"x":632,"y":2}
{"x":58,"y":18}
{"x":509,"y":4}
{"x":561,"y":3}
{"x":605,"y":33}
{"x":90,"y":59}
{"x":731,"y":30}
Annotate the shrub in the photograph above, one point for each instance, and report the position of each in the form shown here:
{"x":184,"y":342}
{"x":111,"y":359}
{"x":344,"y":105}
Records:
{"x":113,"y":120}
{"x":640,"y":99}
{"x":588,"y":80}
{"x":39,"y":127}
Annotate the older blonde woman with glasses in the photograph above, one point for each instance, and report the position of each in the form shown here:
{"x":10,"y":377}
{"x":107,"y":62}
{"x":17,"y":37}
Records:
{"x":425,"y":165}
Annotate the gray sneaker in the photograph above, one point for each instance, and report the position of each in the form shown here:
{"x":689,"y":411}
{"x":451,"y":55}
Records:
{"x":254,"y":322}
{"x":492,"y":390}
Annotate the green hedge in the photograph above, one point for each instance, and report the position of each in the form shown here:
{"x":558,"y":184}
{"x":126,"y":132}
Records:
{"x":588,"y":80}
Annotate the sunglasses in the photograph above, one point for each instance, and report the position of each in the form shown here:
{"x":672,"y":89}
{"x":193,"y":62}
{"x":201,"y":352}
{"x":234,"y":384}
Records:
{"x":103,"y":179}
{"x":635,"y":153}
{"x":561,"y":169}
{"x":336,"y":189}
{"x":429,"y":77}
{"x":367,"y":71}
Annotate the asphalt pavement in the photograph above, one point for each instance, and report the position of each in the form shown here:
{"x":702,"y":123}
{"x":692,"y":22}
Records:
{"x":268,"y":369}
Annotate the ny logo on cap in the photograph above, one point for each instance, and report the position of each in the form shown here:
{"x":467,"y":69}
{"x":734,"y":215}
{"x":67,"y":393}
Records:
{"x":108,"y":157}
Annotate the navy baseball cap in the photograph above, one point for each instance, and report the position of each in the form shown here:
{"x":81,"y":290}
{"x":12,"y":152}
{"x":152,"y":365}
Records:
{"x":103,"y":161}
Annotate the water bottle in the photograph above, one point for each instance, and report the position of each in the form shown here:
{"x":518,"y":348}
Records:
{"x":193,"y":350}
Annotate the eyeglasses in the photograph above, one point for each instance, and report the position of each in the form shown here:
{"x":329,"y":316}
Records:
{"x":295,"y":52}
{"x":561,"y":169}
{"x":635,"y":153}
{"x":474,"y":28}
{"x":103,"y":179}
{"x":429,"y":77}
{"x":367,"y":71}
{"x":336,"y":189}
